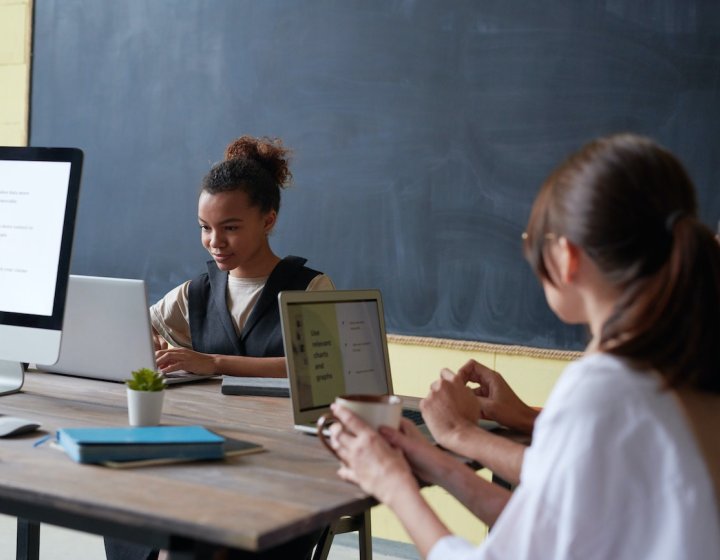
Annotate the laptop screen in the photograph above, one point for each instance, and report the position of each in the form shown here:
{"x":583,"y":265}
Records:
{"x":338,"y":348}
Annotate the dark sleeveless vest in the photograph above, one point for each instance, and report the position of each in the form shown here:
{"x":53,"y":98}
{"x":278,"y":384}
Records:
{"x":211,"y":326}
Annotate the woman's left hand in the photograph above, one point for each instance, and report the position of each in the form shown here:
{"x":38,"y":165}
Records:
{"x":368,"y":459}
{"x":179,"y":359}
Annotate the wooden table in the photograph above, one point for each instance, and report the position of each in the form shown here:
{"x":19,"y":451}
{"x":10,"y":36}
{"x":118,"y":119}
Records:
{"x":251,"y":502}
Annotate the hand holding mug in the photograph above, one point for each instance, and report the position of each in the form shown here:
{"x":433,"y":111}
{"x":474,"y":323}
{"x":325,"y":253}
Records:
{"x":375,"y":410}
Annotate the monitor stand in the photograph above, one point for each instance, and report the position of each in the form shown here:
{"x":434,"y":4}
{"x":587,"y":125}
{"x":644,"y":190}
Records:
{"x":12,"y":377}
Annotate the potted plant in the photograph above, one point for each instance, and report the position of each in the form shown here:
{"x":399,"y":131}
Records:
{"x":145,"y":391}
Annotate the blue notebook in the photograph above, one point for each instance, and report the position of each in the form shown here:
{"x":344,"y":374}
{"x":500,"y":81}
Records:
{"x":98,"y":445}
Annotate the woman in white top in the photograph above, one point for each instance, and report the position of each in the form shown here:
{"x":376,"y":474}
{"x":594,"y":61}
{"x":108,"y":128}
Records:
{"x":625,"y":458}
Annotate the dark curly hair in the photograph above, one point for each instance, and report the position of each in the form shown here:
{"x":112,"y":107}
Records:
{"x":255,"y":166}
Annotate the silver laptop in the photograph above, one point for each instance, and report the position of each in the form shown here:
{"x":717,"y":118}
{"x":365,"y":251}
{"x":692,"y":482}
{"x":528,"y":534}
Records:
{"x":335,"y":344}
{"x":106,"y":332}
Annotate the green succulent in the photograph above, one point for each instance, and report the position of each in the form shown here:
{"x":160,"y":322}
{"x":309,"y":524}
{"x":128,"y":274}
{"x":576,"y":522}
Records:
{"x":145,"y":379}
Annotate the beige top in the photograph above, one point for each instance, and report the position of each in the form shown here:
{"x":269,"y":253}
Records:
{"x":169,"y":316}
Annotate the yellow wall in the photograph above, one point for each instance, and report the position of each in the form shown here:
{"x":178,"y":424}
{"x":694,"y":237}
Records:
{"x":414,"y":366}
{"x":15,"y":21}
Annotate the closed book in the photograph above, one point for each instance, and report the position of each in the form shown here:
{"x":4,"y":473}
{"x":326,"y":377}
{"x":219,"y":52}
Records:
{"x":256,"y":386}
{"x":98,"y":445}
{"x":231,"y":448}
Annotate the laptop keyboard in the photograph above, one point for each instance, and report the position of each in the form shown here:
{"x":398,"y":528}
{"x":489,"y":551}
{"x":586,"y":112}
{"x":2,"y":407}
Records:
{"x":413,"y":415}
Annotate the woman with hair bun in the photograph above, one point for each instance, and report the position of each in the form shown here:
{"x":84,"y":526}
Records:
{"x":226,"y":320}
{"x":625,"y":457}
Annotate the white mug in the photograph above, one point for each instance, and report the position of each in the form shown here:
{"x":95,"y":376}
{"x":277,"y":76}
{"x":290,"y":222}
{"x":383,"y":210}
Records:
{"x":375,"y":410}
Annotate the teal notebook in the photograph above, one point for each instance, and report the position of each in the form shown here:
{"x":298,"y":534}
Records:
{"x":99,"y":445}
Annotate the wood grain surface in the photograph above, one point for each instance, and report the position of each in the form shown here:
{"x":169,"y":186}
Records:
{"x":250,"y":502}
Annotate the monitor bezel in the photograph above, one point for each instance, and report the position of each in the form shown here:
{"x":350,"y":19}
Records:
{"x":73,"y":156}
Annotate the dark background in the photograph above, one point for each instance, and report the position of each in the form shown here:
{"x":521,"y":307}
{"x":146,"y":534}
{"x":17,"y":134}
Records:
{"x":421,"y":132}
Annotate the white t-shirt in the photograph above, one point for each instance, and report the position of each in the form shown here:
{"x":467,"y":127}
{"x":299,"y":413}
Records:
{"x":613,"y":473}
{"x":170,"y":318}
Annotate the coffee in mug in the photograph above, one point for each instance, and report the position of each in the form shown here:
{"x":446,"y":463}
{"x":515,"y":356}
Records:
{"x":375,"y":410}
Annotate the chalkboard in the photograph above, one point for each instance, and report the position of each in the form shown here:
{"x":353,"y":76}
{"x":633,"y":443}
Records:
{"x":421,"y":129}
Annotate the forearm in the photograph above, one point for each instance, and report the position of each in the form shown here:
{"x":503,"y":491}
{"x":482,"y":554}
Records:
{"x":245,"y":366}
{"x":418,"y":519}
{"x":526,"y":421}
{"x":484,"y":499}
{"x":499,"y":454}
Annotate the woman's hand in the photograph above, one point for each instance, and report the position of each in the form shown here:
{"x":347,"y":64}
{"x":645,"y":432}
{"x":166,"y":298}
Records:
{"x":450,"y":408}
{"x":369,"y":460}
{"x":183,"y":359}
{"x":497,"y":400}
{"x":159,"y":343}
{"x":427,"y":461}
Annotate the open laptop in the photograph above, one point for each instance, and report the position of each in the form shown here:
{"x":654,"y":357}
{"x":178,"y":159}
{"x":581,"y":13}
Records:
{"x":106,"y":331}
{"x":335,"y":344}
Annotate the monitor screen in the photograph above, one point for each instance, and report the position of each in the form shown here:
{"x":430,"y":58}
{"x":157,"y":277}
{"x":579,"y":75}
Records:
{"x":39,"y":190}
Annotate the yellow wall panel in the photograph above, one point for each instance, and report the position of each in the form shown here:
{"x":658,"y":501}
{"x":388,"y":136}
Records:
{"x":14,"y":97}
{"x":13,"y":134}
{"x":15,"y":17}
{"x":531,"y":378}
{"x":13,"y":32}
{"x":414,"y":368}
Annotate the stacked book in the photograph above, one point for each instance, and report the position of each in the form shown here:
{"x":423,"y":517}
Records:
{"x":129,"y":446}
{"x":256,"y":386}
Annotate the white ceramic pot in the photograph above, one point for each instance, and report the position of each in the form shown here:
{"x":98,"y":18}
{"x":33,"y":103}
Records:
{"x":144,"y":407}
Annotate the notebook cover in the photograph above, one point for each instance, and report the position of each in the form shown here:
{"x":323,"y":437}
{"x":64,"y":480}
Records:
{"x":141,"y":434}
{"x":97,"y":445}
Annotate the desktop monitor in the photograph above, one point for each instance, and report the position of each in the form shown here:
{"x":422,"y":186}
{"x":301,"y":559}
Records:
{"x":39,"y":190}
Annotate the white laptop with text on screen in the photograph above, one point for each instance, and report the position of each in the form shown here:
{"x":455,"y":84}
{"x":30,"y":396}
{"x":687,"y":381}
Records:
{"x":106,"y":331}
{"x":335,"y":344}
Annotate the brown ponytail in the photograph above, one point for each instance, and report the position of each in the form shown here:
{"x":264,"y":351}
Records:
{"x":630,"y":205}
{"x":671,"y":321}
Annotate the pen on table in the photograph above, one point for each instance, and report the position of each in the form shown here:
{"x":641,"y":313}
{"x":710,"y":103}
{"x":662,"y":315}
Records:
{"x":42,"y":440}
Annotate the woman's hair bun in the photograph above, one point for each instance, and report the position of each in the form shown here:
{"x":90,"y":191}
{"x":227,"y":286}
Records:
{"x":269,"y":153}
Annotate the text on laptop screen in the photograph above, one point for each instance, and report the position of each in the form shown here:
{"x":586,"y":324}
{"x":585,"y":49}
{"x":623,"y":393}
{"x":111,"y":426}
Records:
{"x":337,"y":349}
{"x":32,"y":210}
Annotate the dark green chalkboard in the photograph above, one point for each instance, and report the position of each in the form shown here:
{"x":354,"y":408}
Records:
{"x":421,"y":129}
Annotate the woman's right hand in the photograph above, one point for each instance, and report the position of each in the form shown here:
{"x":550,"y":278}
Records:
{"x":497,"y":400}
{"x":427,"y":461}
{"x":185,"y":359}
{"x":369,"y":460}
{"x":452,"y":409}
